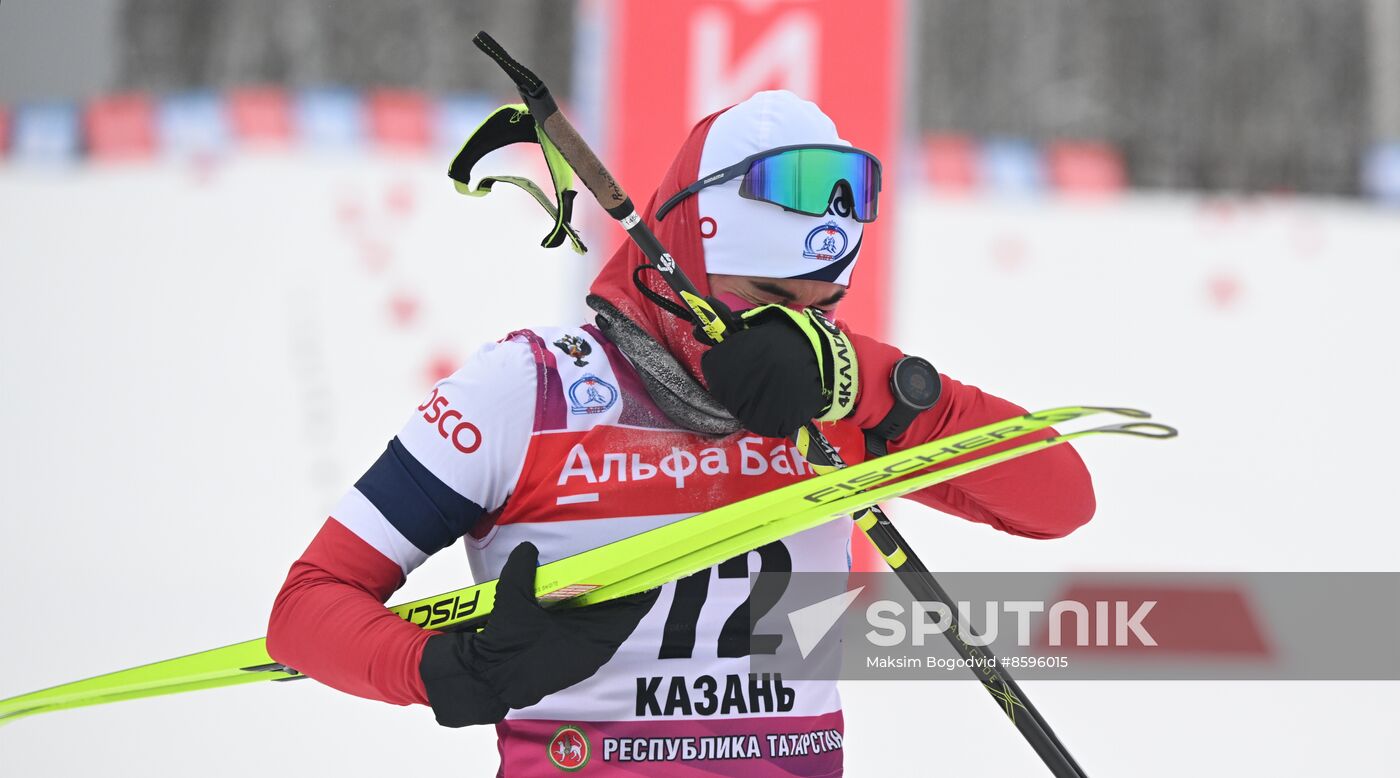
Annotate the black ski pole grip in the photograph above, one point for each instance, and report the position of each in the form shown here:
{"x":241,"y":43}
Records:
{"x":527,"y":82}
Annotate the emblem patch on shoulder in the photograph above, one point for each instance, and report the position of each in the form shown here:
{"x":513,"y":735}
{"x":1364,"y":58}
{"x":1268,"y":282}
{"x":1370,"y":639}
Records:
{"x":575,"y":347}
{"x":826,"y":242}
{"x":569,"y":749}
{"x":591,"y":394}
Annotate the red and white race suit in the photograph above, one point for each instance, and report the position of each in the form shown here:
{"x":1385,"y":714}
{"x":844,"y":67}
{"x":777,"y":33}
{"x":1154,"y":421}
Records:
{"x":526,"y":442}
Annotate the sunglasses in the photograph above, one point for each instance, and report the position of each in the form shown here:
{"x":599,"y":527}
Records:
{"x":800,"y":179}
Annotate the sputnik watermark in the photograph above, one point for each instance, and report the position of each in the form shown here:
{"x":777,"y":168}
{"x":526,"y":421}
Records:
{"x":1071,"y":626}
{"x":886,"y":619}
{"x":934,"y":618}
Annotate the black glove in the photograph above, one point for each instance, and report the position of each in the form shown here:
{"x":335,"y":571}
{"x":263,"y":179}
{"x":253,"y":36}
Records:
{"x":781,"y":371}
{"x":525,"y":652}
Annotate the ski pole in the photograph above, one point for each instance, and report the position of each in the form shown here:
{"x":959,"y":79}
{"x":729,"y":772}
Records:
{"x":881,"y":531}
{"x":919,"y":580}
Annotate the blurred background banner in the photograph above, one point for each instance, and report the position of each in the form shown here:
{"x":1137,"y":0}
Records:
{"x":716,"y":54}
{"x":231,"y":264}
{"x":1020,"y":95}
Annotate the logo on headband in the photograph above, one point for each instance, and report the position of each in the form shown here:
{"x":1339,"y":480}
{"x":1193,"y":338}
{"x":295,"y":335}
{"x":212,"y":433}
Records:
{"x":826,"y":242}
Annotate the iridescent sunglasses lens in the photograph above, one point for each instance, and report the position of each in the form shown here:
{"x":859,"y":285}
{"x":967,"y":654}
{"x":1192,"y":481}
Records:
{"x":803,"y":180}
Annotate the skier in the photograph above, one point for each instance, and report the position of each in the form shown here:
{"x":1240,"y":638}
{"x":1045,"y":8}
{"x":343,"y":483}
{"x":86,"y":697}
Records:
{"x":554,"y":441}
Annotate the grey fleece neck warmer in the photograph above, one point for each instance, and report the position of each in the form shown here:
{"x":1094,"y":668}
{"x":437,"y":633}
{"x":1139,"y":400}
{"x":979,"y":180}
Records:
{"x":675,"y":392}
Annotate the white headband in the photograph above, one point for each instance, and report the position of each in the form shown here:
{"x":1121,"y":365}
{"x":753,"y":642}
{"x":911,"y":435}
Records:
{"x":745,"y":237}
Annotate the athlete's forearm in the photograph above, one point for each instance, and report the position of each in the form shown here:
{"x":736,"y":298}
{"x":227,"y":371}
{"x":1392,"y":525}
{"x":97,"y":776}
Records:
{"x":330,"y":623}
{"x":1046,"y":495}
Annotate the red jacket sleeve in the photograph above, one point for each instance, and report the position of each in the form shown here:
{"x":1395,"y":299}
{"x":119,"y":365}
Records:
{"x":334,"y":597}
{"x":1047,"y":494}
{"x":420,"y":496}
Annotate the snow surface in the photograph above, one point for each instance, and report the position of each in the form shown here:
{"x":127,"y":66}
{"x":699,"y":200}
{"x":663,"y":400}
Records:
{"x":196,"y":358}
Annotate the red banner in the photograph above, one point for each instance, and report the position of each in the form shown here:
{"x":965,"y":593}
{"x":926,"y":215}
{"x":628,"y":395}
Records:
{"x":121,"y":128}
{"x":400,"y":119}
{"x":261,"y":115}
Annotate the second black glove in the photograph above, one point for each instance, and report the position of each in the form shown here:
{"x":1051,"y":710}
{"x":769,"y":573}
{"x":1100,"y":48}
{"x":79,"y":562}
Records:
{"x":525,"y":652}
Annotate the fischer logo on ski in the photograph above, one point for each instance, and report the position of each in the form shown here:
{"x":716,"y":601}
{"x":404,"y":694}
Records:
{"x":442,"y":611}
{"x":913,"y":462}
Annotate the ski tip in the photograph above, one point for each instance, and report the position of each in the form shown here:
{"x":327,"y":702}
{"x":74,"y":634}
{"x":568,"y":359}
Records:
{"x":1132,"y":413}
{"x":1148,"y":429}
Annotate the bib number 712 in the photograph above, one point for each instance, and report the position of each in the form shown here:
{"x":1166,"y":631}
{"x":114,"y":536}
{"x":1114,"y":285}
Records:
{"x":735,"y":637}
